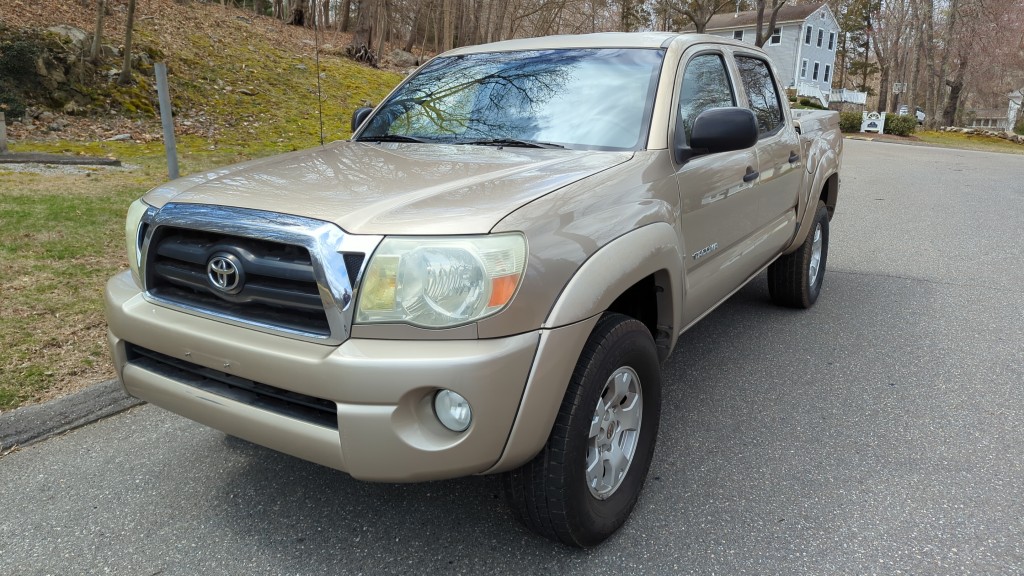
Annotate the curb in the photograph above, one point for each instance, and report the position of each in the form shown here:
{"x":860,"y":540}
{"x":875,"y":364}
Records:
{"x":32,"y":424}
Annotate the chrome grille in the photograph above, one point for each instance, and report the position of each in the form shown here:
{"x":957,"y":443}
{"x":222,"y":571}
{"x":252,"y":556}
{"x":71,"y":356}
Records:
{"x":297,"y":275}
{"x":280,"y":286}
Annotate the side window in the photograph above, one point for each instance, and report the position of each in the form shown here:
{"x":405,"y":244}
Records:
{"x":761,"y":92}
{"x":828,"y":73}
{"x":803,"y":68}
{"x":821,"y":36}
{"x":737,"y":35}
{"x":776,"y":36}
{"x":814,"y":75}
{"x":831,"y":40}
{"x":807,"y":35}
{"x":705,"y":85}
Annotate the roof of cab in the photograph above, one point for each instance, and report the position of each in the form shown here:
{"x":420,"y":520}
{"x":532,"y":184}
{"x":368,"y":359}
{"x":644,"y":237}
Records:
{"x":597,"y":40}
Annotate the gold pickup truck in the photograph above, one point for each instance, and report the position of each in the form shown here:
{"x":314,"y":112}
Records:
{"x":487,"y":277}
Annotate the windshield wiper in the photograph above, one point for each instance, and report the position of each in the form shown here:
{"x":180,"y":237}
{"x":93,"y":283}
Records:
{"x":510,"y":142}
{"x":391,"y":138}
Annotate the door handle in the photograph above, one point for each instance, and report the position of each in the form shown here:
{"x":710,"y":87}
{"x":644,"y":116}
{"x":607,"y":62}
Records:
{"x":794,"y":157}
{"x":751,"y":175}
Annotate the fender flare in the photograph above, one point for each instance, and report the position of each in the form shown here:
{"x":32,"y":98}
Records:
{"x":617,"y":266}
{"x":810,"y":201}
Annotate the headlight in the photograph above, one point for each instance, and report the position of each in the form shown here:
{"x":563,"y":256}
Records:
{"x":133,"y":235}
{"x":440,"y":282}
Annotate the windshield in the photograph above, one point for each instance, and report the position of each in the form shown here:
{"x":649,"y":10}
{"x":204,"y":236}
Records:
{"x":598,"y":99}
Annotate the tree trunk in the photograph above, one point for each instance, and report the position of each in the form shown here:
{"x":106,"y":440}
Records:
{"x":446,"y":25}
{"x":325,"y":14}
{"x":126,"y":71}
{"x":97,"y":37}
{"x":762,"y":34}
{"x":366,"y":19}
{"x":299,"y":13}
{"x":346,"y":8}
{"x":956,"y":86}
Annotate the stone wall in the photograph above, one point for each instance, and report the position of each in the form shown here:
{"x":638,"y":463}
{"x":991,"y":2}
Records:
{"x":1004,"y":134}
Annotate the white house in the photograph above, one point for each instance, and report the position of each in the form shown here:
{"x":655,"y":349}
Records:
{"x":998,"y":118}
{"x":803,"y":45}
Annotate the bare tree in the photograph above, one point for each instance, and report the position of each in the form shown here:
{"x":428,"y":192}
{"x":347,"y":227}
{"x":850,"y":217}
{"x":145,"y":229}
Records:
{"x":764,"y":33}
{"x":97,"y":37}
{"x":126,"y":71}
{"x":699,"y":12}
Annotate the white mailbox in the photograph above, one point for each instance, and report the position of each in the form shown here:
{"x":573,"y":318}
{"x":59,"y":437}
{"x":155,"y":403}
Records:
{"x":873,"y":122}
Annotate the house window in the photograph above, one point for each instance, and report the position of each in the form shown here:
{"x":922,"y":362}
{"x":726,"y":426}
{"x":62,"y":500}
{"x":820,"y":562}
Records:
{"x":738,"y":35}
{"x":821,"y":36}
{"x":803,"y":68}
{"x":828,"y":73}
{"x":807,"y":35}
{"x":776,"y":36}
{"x":814,"y":73}
{"x":831,"y":40}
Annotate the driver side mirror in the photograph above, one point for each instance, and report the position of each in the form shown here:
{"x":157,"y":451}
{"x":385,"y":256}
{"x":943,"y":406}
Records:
{"x":359,"y":116}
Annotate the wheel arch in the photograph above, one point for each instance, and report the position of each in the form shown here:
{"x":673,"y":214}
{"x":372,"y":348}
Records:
{"x":638,"y":274}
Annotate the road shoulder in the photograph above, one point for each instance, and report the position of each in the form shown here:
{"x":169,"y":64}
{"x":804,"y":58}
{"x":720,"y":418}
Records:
{"x":24,"y":426}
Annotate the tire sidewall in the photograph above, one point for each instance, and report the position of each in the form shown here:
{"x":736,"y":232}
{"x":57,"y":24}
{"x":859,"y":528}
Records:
{"x":820,"y":219}
{"x":597,"y":519}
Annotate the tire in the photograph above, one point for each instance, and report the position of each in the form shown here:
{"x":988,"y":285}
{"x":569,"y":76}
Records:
{"x":566,"y":492}
{"x":795,"y":279}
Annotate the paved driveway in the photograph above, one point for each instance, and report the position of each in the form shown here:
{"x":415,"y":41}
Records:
{"x":881,"y":432}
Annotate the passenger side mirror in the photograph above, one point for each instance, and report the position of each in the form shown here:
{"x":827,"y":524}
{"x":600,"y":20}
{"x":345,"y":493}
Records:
{"x":359,"y":116}
{"x":723,"y":130}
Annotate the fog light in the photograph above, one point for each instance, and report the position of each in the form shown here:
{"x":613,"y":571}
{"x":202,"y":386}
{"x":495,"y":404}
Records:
{"x":452,"y":410}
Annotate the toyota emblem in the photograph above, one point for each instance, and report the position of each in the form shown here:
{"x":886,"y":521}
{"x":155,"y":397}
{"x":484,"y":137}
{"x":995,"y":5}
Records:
{"x":224,"y":271}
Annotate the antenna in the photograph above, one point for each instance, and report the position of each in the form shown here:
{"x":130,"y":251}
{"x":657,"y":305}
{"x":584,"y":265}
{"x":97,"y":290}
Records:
{"x":319,"y":97}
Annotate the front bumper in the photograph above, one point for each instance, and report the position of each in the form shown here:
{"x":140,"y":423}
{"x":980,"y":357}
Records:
{"x":383,"y":389}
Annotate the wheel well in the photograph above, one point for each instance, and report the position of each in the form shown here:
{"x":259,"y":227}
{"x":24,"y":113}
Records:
{"x":830,"y":194}
{"x":648,"y":301}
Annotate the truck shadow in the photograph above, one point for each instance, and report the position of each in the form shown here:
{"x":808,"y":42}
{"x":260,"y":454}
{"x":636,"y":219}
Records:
{"x":721,"y":386}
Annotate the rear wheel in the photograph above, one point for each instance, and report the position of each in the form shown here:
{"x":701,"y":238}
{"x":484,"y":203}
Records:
{"x":795,"y":279}
{"x":585,"y":482}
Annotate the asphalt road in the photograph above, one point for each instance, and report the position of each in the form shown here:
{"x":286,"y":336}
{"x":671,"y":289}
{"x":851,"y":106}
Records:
{"x":881,"y":432}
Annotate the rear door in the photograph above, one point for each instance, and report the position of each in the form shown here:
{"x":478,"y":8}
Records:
{"x":778,"y":147}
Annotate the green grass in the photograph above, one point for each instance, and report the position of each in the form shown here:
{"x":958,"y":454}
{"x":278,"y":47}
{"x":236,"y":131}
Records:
{"x":969,"y":142}
{"x":62,"y":235}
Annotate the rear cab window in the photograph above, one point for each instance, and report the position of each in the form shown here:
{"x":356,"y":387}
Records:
{"x":762,"y":93}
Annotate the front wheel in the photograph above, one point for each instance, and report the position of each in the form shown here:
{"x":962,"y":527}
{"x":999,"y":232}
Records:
{"x":585,"y":482}
{"x":795,"y":279}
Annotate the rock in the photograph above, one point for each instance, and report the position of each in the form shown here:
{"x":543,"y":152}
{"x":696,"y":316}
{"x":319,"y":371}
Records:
{"x":301,"y":67}
{"x":108,"y":51}
{"x":72,"y":107}
{"x":77,"y":36}
{"x":119,"y":138}
{"x":46,"y":117}
{"x":246,"y":92}
{"x":402,"y":59}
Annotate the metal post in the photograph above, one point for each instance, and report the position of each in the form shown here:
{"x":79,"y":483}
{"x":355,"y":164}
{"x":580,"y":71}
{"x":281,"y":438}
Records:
{"x":165,"y":118}
{"x":3,"y":134}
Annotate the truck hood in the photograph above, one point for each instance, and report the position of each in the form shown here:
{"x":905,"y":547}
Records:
{"x":392,"y":188}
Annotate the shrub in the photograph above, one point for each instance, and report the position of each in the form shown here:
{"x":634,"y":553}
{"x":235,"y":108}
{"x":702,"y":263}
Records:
{"x":11,"y":102}
{"x":900,"y":125}
{"x":805,"y":101}
{"x":849,"y":121}
{"x":18,"y":59}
